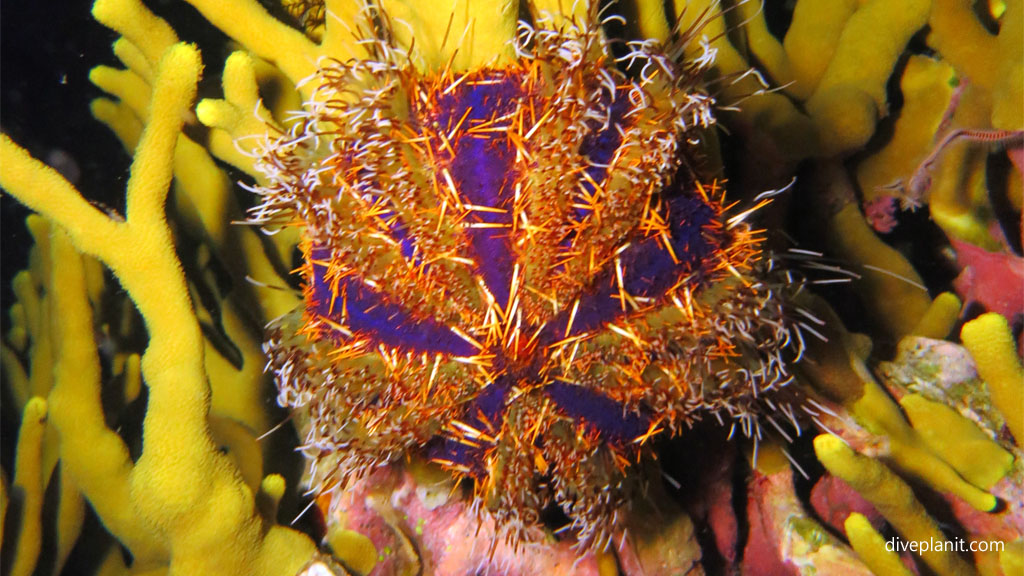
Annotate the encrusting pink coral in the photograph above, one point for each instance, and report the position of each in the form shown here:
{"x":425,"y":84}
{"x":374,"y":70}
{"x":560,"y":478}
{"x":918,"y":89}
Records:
{"x":992,"y":279}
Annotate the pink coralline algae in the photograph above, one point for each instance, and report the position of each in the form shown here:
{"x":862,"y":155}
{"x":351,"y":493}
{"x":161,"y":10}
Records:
{"x":992,"y":279}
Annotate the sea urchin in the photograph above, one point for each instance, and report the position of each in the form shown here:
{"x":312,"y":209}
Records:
{"x":515,"y":272}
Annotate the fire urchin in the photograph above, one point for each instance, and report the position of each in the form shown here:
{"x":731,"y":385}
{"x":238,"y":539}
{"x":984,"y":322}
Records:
{"x":516,"y":273}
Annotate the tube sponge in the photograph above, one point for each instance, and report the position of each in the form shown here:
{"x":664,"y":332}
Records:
{"x":185,"y":499}
{"x":28,"y":483}
{"x":891,"y":496}
{"x":927,"y":87}
{"x":850,"y":97}
{"x":891,"y":283}
{"x":940,"y":317}
{"x":447,"y":33}
{"x":811,"y":40}
{"x":990,"y":342}
{"x":870,"y":546}
{"x":975,"y":456}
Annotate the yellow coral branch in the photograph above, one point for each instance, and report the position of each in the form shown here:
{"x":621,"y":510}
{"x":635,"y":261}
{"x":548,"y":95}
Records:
{"x":1007,"y":112}
{"x":28,"y":483}
{"x":92,"y":454}
{"x":70,"y":517}
{"x":39,"y":255}
{"x":975,"y":456}
{"x":850,"y":97}
{"x":891,"y":496}
{"x":37,"y":315}
{"x":252,"y":26}
{"x":16,"y":377}
{"x":151,"y":173}
{"x":150,"y":34}
{"x":563,"y":11}
{"x":870,"y":546}
{"x":811,"y":40}
{"x":872,"y":41}
{"x":959,"y":181}
{"x":926,"y":94}
{"x":203,"y":192}
{"x":17,"y":336}
{"x":44,"y":190}
{"x":957,"y":34}
{"x":34,"y":289}
{"x":463,"y":33}
{"x":181,"y":487}
{"x":347,"y":23}
{"x":651,"y":21}
{"x":132,"y":377}
{"x":353,"y":548}
{"x":238,"y":393}
{"x":239,"y":443}
{"x":940,"y":317}
{"x":126,"y":85}
{"x":120,"y":119}
{"x":990,"y":342}
{"x":1011,"y":560}
{"x":133,"y":59}
{"x":908,"y":451}
{"x":240,"y":119}
{"x":28,"y":303}
{"x":768,"y":51}
{"x":890,"y":283}
{"x":268,"y":499}
{"x":840,"y":372}
{"x":793,"y":133}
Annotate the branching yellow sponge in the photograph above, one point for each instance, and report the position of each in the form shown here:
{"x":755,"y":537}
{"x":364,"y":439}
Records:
{"x":991,"y":67}
{"x":249,"y":24}
{"x":28,"y":482}
{"x":891,"y":496}
{"x":940,"y":317}
{"x":183,"y":491}
{"x":990,"y":342}
{"x":843,"y":375}
{"x":909,"y":452}
{"x":926,"y":86}
{"x":870,"y":546}
{"x":234,"y":124}
{"x":850,"y":97}
{"x":899,"y":305}
{"x":961,"y":443}
{"x":447,"y":33}
{"x":811,"y":41}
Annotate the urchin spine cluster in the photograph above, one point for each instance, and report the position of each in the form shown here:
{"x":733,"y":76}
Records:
{"x":507,"y":272}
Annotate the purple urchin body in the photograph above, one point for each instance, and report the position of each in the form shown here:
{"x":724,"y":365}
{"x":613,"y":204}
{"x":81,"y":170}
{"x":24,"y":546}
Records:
{"x":508,"y":273}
